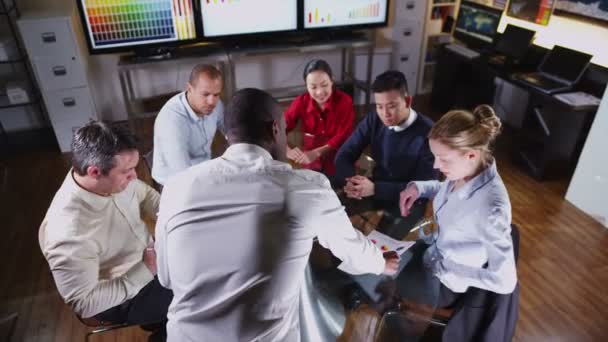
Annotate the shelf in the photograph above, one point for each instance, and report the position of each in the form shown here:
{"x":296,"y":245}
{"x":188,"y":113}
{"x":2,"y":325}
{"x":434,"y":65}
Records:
{"x":8,"y":11}
{"x":20,"y":59}
{"x":430,"y":62}
{"x":4,"y":103}
{"x":444,"y":4}
{"x":442,"y":34}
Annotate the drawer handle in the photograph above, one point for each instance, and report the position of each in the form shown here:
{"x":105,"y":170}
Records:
{"x":410,"y":5}
{"x":59,"y":71}
{"x":405,"y":58}
{"x":49,"y":37}
{"x":407,"y":32}
{"x":69,"y":101}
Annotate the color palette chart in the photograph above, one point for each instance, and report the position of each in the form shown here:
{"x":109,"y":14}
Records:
{"x":323,"y":13}
{"x":115,"y":23}
{"x":235,"y":17}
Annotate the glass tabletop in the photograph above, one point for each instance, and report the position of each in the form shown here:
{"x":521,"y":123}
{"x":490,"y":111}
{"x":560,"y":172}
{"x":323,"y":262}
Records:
{"x":338,"y":306}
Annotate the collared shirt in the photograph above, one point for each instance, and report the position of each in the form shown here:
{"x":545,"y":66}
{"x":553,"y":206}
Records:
{"x":94,"y":244}
{"x":407,"y":123}
{"x":233,"y":239}
{"x":330,"y":126}
{"x":182,"y":138}
{"x":474,"y":246}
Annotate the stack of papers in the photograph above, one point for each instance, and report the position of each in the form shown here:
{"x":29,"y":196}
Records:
{"x":387,"y":244}
{"x":578,"y":99}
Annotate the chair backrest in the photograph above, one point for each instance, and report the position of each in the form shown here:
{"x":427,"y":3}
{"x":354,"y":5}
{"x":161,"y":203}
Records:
{"x":515,"y":238}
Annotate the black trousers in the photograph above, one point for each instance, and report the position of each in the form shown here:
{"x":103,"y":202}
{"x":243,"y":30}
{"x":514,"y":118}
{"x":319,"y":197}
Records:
{"x":149,"y":306}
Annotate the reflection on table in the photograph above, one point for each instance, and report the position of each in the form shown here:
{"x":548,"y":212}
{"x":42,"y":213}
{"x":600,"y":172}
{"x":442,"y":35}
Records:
{"x":337,"y":306}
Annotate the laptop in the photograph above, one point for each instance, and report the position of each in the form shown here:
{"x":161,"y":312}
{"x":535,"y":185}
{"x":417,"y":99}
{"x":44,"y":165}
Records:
{"x":511,"y":46}
{"x":559,"y":71}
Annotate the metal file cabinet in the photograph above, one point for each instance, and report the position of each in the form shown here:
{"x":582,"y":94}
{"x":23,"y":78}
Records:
{"x":55,"y":45}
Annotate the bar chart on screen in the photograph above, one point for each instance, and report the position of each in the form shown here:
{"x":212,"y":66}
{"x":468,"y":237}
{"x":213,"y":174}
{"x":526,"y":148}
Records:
{"x":236,"y":17}
{"x":321,"y":13}
{"x":114,"y":23}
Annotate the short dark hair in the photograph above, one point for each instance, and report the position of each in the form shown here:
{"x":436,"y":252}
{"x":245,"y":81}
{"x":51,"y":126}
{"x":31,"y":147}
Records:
{"x":204,"y":69}
{"x":249,"y":116}
{"x":317,"y":65}
{"x":96,"y":144}
{"x":391,"y":80}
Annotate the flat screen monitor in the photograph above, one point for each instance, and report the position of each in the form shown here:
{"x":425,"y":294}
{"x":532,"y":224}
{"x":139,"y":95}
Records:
{"x":514,"y":42}
{"x":477,"y":21}
{"x":565,"y":63}
{"x":122,"y":25}
{"x":318,"y":14}
{"x":241,"y":17}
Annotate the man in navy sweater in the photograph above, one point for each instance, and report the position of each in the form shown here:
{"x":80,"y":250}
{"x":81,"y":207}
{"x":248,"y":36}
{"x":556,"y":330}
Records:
{"x":397,"y":137}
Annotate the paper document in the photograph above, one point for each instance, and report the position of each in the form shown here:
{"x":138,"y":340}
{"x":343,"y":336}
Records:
{"x":387,"y":244}
{"x":578,"y":99}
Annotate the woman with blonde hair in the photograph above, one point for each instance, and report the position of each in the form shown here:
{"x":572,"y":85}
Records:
{"x":472,"y":246}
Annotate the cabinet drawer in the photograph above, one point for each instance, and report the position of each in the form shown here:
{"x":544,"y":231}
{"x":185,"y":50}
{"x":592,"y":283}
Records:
{"x":409,"y":9}
{"x":70,"y":106}
{"x":408,"y":34}
{"x":48,"y":36}
{"x":59,"y":72}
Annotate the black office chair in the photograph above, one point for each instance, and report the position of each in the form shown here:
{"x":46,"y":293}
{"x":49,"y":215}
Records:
{"x":478,"y":298}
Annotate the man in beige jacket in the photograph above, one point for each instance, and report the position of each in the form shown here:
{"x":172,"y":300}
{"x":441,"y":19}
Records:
{"x":93,"y":237}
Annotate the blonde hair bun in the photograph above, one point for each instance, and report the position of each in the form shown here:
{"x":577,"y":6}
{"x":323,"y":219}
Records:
{"x":488,"y":121}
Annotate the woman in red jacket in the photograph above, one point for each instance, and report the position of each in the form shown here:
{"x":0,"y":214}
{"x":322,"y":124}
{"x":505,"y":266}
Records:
{"x":326,"y":115}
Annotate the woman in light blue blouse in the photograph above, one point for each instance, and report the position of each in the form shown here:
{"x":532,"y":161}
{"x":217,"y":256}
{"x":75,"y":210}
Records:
{"x":473,"y":246}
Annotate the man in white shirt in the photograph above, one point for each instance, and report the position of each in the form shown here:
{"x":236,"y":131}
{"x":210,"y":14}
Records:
{"x":234,"y":234}
{"x":93,"y":237}
{"x":185,"y":127}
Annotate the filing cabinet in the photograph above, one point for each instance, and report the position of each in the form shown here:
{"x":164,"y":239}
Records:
{"x":59,"y":59}
{"x":408,"y":31}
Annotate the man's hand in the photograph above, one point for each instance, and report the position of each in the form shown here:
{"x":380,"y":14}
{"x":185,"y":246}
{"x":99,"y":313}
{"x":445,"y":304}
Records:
{"x":293,"y":153}
{"x":407,"y":199}
{"x":391,"y":262}
{"x":359,"y":187}
{"x":149,"y":258}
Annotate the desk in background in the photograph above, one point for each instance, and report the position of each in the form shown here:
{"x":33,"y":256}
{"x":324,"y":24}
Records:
{"x":552,"y":132}
{"x":225,"y":57}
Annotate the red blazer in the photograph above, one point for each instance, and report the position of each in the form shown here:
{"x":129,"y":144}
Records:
{"x":330,"y":126}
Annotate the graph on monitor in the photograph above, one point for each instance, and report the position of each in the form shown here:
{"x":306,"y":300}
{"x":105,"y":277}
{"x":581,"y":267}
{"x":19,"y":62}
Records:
{"x":122,"y":23}
{"x":238,"y":17}
{"x":322,"y":13}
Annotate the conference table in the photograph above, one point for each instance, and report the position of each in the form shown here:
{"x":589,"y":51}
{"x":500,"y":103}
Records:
{"x":338,"y":306}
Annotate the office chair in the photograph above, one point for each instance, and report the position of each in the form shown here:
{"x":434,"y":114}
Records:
{"x":97,"y":327}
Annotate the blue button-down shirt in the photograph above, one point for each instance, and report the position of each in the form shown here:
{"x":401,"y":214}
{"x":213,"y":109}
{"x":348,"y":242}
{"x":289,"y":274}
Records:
{"x":473,"y":246}
{"x":182,"y":138}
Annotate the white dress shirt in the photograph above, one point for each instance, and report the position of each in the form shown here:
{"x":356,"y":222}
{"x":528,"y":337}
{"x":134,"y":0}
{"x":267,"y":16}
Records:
{"x":233,"y":239}
{"x":94,"y":244}
{"x":182,"y":138}
{"x":474,"y":246}
{"x":407,"y":123}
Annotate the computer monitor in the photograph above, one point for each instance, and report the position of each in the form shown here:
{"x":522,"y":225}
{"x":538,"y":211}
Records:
{"x":514,"y":42}
{"x":124,"y":25}
{"x":476,"y":23}
{"x":352,"y":14}
{"x":242,"y":17}
{"x":565,"y":64}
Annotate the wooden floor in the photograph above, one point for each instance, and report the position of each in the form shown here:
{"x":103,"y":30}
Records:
{"x":563,"y":263}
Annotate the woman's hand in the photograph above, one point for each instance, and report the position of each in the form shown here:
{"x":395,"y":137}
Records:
{"x":407,"y":199}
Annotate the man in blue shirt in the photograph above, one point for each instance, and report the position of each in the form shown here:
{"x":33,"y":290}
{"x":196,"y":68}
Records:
{"x":185,"y":126}
{"x":397,"y":137}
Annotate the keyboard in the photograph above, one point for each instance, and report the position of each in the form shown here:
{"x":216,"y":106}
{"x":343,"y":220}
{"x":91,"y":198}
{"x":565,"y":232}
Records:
{"x":463,"y":51}
{"x":541,"y":81}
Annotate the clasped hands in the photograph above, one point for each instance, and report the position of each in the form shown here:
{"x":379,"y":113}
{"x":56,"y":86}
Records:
{"x":302,"y":157}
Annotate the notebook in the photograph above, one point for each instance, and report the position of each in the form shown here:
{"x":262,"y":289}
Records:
{"x":559,"y":71}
